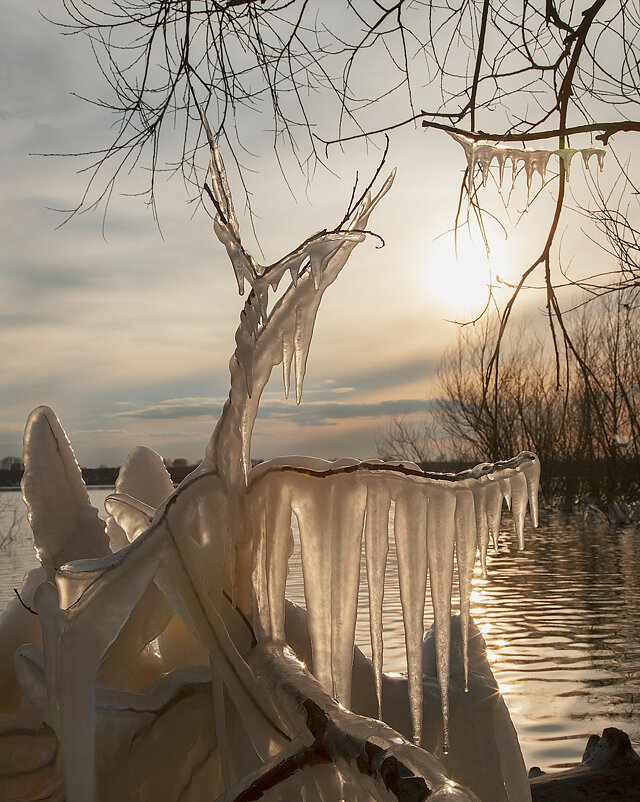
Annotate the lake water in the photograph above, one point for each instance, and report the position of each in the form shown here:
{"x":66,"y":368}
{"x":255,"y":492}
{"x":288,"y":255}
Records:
{"x":561,"y":621}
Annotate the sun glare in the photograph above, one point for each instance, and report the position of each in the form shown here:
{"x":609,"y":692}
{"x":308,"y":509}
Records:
{"x":457,"y":280}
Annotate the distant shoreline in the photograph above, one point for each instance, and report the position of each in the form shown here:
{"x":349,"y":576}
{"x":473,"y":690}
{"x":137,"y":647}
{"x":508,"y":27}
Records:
{"x":93,"y":477}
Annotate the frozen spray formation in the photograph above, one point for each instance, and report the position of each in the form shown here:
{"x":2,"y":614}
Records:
{"x":165,"y":659}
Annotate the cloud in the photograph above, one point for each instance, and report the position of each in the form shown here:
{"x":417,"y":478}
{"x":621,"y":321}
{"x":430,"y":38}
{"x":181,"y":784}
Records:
{"x":312,"y":413}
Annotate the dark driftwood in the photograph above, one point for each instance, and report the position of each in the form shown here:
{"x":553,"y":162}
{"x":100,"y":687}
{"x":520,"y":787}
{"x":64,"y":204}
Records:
{"x":610,"y":769}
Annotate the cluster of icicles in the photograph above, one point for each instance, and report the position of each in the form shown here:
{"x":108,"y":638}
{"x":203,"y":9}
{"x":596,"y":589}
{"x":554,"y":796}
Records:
{"x":482,"y":154}
{"x":433,"y":517}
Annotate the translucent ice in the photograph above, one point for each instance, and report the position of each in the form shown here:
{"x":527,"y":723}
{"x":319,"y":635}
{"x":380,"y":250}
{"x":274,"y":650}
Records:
{"x":410,"y":531}
{"x":481,"y":154}
{"x":377,"y":549}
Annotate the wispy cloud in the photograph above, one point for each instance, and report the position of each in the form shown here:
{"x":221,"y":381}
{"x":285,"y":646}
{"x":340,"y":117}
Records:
{"x":311,"y":413}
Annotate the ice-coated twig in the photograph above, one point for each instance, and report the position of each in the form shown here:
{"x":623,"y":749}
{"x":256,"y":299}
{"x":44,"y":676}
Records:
{"x":482,"y":154}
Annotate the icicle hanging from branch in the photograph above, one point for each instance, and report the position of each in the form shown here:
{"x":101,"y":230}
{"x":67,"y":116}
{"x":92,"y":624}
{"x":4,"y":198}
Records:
{"x":481,"y":155}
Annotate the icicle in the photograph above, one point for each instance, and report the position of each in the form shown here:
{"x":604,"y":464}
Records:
{"x":565,"y":155}
{"x":262,"y":613}
{"x":528,"y":157}
{"x":587,"y":153}
{"x":440,"y":541}
{"x":540,"y":162}
{"x":278,"y":531}
{"x":377,"y":549}
{"x":515,"y":156}
{"x":312,"y":507}
{"x":506,"y":491}
{"x":411,"y":546}
{"x":494,"y":509}
{"x":484,"y":155}
{"x":262,"y":297}
{"x":349,"y":502}
{"x":482,"y":528}
{"x":466,"y":549}
{"x":501,"y":156}
{"x":287,"y":356}
{"x":294,"y":266}
{"x":519,"y":504}
{"x":531,"y":469}
{"x":299,"y":353}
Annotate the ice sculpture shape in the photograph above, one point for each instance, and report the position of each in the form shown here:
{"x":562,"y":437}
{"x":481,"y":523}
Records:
{"x":182,"y":596}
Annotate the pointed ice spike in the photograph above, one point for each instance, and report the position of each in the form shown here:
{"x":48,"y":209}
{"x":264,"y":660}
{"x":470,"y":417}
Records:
{"x":311,"y":503}
{"x":519,"y":504}
{"x":484,"y":155}
{"x":482,"y":528}
{"x":440,"y":540}
{"x":494,"y":510}
{"x":299,"y":347}
{"x":501,"y":156}
{"x":411,"y":546}
{"x":261,"y":290}
{"x":294,"y":266}
{"x":349,"y":501}
{"x":287,"y":356}
{"x":565,"y":155}
{"x":540,"y":162}
{"x":514,"y":155}
{"x":528,"y":159}
{"x":531,"y":469}
{"x":505,"y":486}
{"x":377,"y":548}
{"x":259,"y":581}
{"x":466,"y":549}
{"x":278,"y":526}
{"x":587,"y":153}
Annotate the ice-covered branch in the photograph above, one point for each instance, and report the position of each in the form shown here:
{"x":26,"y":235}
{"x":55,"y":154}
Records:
{"x":482,"y":154}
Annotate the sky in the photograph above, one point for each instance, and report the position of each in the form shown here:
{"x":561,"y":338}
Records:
{"x":127,"y":333}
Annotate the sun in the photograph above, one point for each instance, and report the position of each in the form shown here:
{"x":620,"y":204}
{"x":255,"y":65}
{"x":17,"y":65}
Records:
{"x":457,"y":276}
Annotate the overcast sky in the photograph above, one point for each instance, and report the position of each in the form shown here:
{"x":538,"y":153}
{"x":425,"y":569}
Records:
{"x":128,"y":336}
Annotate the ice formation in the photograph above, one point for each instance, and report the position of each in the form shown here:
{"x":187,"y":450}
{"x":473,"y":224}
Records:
{"x":482,"y":154}
{"x":167,"y":666}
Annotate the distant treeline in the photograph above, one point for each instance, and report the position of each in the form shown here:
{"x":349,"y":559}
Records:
{"x":93,"y":476}
{"x":580,"y":414}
